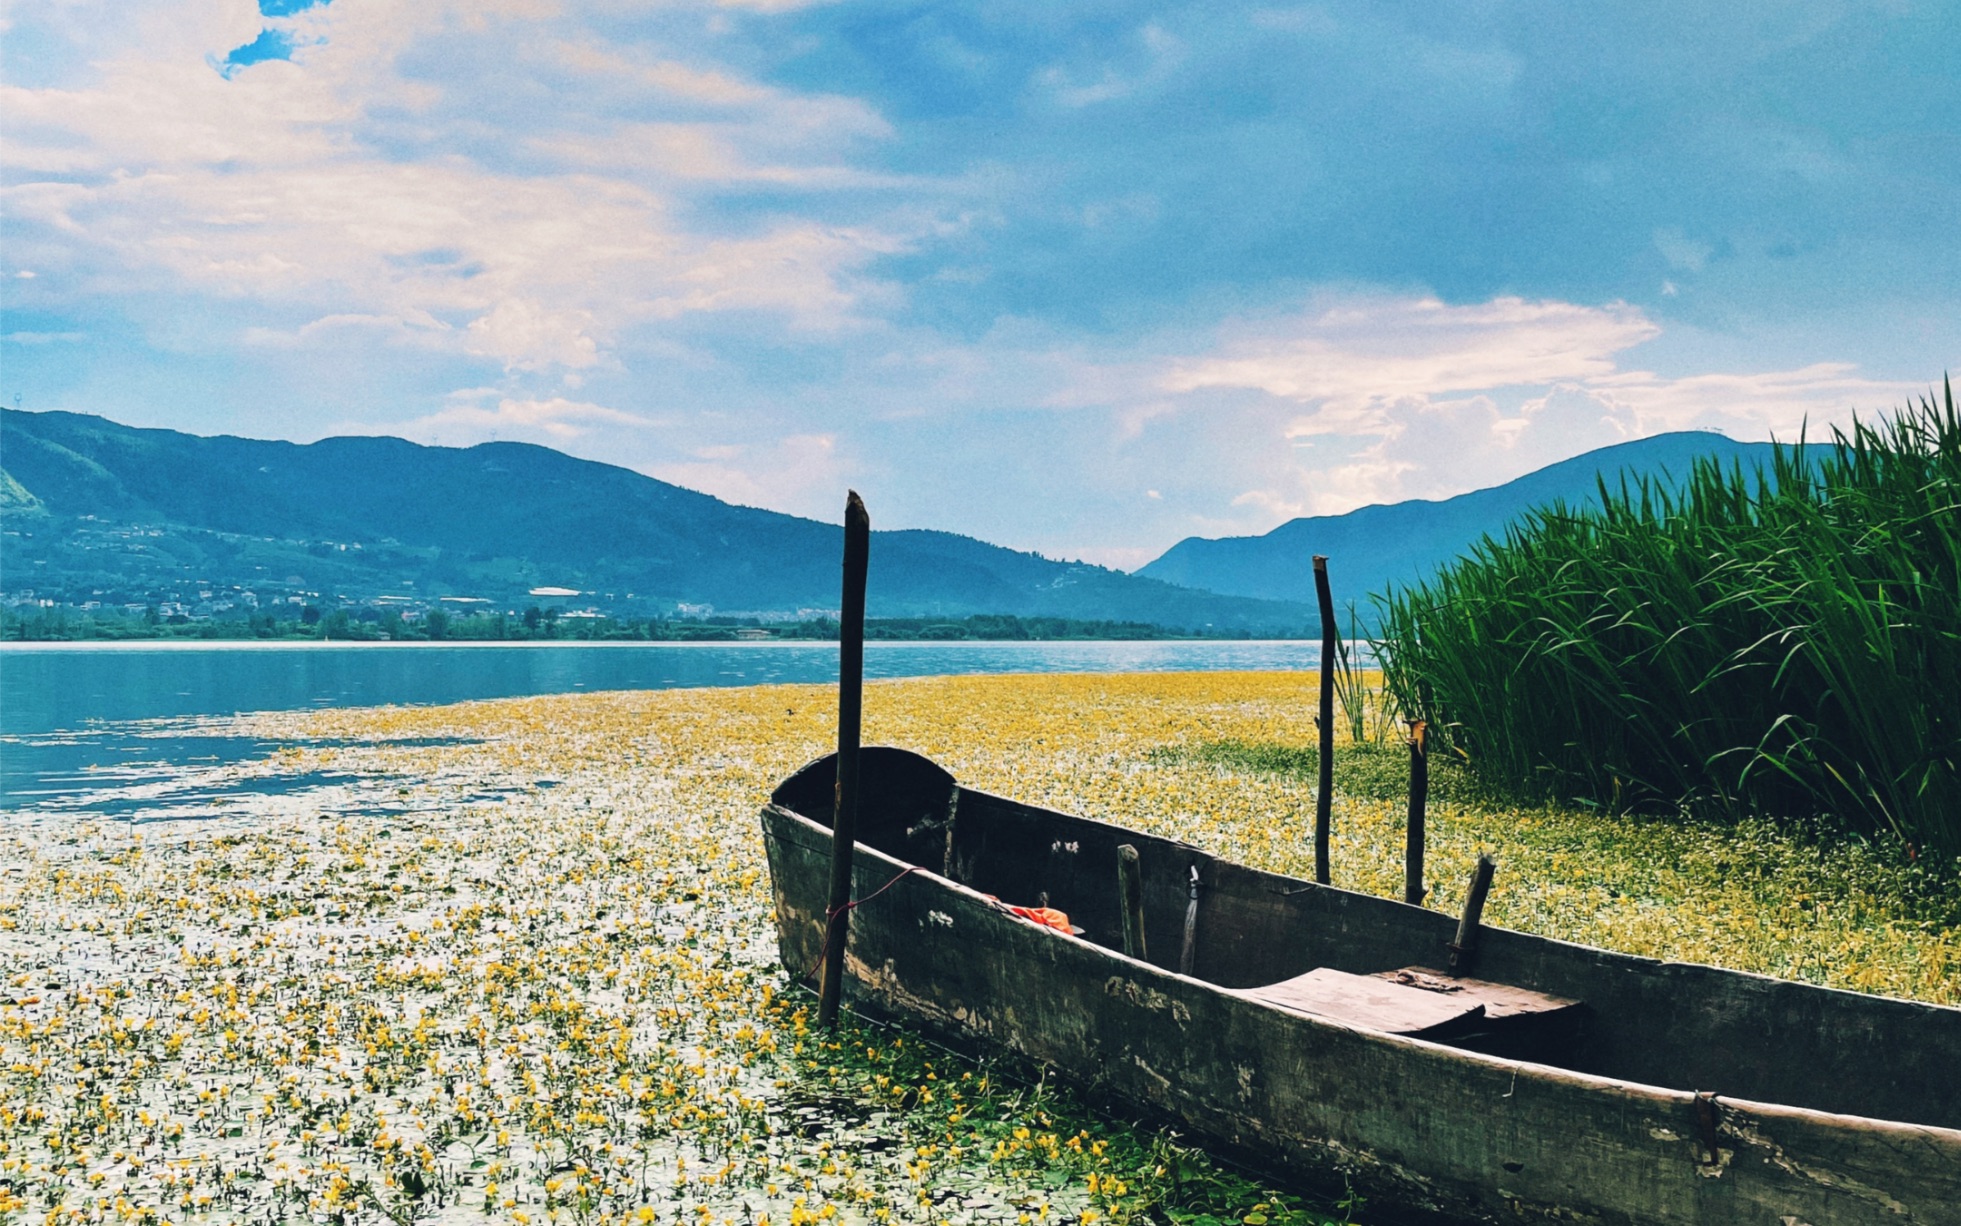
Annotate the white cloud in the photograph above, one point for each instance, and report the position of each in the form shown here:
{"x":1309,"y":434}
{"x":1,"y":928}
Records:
{"x":1384,"y":399}
{"x":790,"y":471}
{"x":728,"y":131}
{"x":1755,"y":404}
{"x":526,"y":336}
{"x":343,"y":184}
{"x":777,"y":114}
{"x":416,"y":328}
{"x":554,"y":421}
{"x":1269,"y":503}
{"x":1352,"y":356}
{"x":702,"y":152}
{"x":704,"y":85}
{"x":771,"y":6}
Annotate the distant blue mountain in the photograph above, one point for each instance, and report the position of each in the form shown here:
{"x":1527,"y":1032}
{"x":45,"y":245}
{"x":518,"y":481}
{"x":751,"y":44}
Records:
{"x":1373,"y":548}
{"x":95,"y":511}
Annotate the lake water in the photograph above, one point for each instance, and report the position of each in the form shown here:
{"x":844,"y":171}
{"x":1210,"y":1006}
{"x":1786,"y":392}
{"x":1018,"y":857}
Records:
{"x":128,"y":728}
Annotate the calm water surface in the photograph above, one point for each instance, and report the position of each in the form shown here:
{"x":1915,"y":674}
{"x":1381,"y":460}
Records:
{"x":130,"y":728}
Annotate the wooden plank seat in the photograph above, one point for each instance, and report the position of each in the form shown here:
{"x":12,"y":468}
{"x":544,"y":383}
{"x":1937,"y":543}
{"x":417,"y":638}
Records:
{"x":1500,"y":1000}
{"x":1366,"y":1000}
{"x":1420,"y":1003}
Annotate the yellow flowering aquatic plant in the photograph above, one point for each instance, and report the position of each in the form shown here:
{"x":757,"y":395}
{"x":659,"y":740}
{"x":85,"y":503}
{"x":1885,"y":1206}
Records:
{"x":516,"y":962}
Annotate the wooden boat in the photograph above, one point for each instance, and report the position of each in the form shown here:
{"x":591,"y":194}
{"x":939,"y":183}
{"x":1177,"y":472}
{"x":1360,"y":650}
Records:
{"x":1317,"y":1032}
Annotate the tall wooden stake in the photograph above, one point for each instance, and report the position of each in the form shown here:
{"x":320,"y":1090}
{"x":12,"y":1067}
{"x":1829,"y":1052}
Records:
{"x":1324,"y":797}
{"x":1188,"y":952}
{"x":1466,"y":944}
{"x":1419,"y":795}
{"x":851,"y":705}
{"x":1130,"y":900}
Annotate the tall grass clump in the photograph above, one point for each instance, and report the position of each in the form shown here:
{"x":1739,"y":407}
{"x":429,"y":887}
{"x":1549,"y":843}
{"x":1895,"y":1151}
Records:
{"x":1785,"y":642}
{"x":1367,"y":708}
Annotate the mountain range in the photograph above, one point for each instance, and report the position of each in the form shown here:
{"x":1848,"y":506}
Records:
{"x":98,"y":510}
{"x":1375,"y":547}
{"x":95,"y":509}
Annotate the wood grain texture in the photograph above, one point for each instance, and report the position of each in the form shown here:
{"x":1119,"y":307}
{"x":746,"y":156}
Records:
{"x":1366,"y":1000}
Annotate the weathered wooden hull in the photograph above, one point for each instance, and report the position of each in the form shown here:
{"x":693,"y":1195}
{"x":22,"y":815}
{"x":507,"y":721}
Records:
{"x":1423,"y":1127}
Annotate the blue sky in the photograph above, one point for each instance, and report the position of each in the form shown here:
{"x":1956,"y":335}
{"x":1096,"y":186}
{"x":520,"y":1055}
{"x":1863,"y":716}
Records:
{"x":1080,"y":278}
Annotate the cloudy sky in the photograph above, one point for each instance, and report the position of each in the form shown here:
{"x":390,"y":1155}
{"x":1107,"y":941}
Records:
{"x":1084,"y":278}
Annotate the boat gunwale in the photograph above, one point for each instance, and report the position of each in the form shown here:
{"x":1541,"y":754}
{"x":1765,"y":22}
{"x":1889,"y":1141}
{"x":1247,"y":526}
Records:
{"x":1903,"y":1130}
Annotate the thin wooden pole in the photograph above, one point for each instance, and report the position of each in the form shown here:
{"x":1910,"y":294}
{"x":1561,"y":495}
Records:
{"x":1324,"y":798}
{"x":1188,"y":953}
{"x":1467,"y":928}
{"x":1130,"y":899}
{"x":851,"y":705}
{"x":1419,"y":794}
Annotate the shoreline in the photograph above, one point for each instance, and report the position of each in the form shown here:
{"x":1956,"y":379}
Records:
{"x":194,"y":644}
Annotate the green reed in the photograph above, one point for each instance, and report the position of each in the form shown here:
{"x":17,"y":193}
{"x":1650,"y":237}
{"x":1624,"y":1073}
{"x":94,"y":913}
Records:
{"x":1785,"y":641}
{"x":1368,"y":709}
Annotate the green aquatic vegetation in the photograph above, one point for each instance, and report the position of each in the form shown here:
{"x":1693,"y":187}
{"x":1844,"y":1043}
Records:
{"x":1006,"y":1140}
{"x":1783,"y":643}
{"x":392,"y":1000}
{"x":1369,"y":709}
{"x":1370,"y":770}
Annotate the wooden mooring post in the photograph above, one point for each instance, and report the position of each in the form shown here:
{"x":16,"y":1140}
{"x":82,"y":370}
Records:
{"x":851,"y":705}
{"x":1324,"y":793}
{"x":1462,"y":949}
{"x":1419,"y":795}
{"x":1188,"y":951}
{"x":1130,"y":900}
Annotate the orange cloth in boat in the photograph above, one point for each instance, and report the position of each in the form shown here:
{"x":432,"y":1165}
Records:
{"x":1046,"y":916}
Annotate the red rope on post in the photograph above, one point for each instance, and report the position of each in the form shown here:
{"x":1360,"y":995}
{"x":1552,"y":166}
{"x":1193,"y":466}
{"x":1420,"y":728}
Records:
{"x":831,"y":916}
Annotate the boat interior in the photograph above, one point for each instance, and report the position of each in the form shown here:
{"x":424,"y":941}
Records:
{"x":1385,"y":965}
